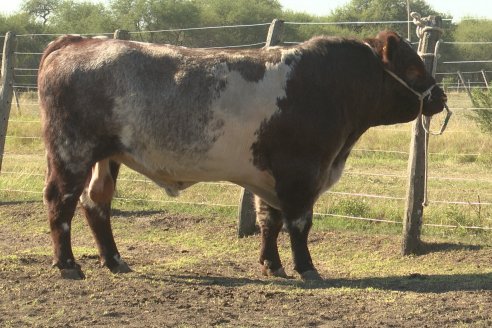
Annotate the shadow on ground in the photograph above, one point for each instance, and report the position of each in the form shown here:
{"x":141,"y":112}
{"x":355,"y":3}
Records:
{"x":427,"y":248}
{"x":414,"y":282}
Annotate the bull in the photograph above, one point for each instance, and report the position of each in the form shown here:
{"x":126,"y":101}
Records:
{"x":278,"y":121}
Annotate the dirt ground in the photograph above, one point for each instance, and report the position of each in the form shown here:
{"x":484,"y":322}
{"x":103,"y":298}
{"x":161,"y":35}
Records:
{"x":226,"y":289}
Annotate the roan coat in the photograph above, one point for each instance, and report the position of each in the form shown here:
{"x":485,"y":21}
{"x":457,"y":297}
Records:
{"x":278,"y":121}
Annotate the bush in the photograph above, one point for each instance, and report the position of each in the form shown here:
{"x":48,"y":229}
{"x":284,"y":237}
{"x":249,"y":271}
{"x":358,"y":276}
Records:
{"x":482,"y":113}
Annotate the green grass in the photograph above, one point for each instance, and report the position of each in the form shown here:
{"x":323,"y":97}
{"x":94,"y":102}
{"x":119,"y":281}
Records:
{"x":459,"y":171}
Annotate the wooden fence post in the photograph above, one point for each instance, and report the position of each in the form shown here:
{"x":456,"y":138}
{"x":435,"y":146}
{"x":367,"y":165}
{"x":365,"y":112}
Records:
{"x":467,"y":88}
{"x":6,"y":88}
{"x":246,"y":213}
{"x":275,"y":33}
{"x":121,"y":35}
{"x":485,"y":78}
{"x":414,"y":207}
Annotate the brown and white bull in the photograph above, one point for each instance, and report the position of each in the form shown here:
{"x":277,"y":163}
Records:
{"x":277,"y":121}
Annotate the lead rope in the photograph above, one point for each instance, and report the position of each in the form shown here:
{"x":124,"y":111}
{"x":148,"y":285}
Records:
{"x":421,"y":97}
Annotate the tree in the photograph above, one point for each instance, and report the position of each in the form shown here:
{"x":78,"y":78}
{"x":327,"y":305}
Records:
{"x":131,"y":15}
{"x":82,"y":17}
{"x":226,"y":12}
{"x":467,"y":30}
{"x":40,"y":9}
{"x":380,"y":10}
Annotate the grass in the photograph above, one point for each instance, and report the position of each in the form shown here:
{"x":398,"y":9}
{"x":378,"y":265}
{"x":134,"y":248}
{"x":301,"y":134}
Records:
{"x":459,"y":171}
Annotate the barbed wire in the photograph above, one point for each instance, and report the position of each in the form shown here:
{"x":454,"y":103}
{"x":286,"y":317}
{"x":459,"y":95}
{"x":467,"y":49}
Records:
{"x":468,"y":62}
{"x":467,"y":42}
{"x":352,"y":217}
{"x":349,"y":22}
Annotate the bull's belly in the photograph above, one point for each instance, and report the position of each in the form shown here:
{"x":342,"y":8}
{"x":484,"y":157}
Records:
{"x":176,"y":175}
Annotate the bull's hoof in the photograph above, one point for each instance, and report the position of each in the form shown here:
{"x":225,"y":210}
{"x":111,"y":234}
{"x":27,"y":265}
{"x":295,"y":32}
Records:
{"x":122,"y":267}
{"x":311,"y":275}
{"x":267,"y":271}
{"x":72,"y":274}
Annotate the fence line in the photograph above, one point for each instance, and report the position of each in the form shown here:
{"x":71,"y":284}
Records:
{"x":386,"y":175}
{"x":349,"y":23}
{"x":28,"y":53}
{"x":315,"y":213}
{"x":454,"y":73}
{"x":238,"y":46}
{"x":467,"y":62}
{"x":360,"y":195}
{"x":467,"y":42}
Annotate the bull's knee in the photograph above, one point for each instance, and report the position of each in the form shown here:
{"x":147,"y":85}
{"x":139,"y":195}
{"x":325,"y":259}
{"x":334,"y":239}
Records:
{"x":101,"y":187}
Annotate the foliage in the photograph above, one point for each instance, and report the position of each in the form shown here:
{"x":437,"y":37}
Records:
{"x":41,"y":9}
{"x":142,"y":16}
{"x":380,"y":10}
{"x":20,"y":23}
{"x":83,"y":17}
{"x":482,"y":101}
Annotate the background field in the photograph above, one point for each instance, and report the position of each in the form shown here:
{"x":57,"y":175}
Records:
{"x":191,"y":270}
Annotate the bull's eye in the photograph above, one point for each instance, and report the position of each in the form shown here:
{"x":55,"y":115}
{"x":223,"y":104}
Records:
{"x":413,"y":74}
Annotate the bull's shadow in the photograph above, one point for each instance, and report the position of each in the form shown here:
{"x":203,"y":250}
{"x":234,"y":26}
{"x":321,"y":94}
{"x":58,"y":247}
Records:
{"x":420,"y":283}
{"x":411,"y":283}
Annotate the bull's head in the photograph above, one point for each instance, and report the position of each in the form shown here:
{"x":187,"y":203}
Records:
{"x":399,"y":58}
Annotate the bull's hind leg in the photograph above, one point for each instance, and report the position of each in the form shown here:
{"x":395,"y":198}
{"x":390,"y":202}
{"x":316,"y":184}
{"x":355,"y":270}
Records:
{"x":270,"y":221}
{"x":62,"y":190}
{"x":96,"y":203}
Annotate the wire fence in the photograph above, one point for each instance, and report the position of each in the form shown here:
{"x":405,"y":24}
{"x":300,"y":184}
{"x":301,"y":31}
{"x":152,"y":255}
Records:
{"x":372,"y":188}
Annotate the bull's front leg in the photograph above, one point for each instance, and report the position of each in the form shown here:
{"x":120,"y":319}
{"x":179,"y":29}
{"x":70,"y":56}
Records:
{"x":270,"y":222}
{"x":299,"y":230}
{"x":297,"y":189}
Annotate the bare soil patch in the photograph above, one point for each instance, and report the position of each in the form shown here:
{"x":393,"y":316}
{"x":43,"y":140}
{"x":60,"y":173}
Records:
{"x":193,"y":272}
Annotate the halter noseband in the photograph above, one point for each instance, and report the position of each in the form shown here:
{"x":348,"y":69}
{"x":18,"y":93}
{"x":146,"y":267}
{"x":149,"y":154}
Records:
{"x":422,"y":96}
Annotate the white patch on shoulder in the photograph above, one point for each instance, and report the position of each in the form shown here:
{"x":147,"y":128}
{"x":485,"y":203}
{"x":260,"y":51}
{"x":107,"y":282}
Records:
{"x":243,"y":105}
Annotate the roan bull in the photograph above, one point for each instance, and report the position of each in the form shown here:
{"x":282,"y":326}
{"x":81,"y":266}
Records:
{"x":278,"y":121}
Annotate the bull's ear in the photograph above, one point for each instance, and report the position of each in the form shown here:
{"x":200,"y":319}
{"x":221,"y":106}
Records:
{"x":389,"y":49}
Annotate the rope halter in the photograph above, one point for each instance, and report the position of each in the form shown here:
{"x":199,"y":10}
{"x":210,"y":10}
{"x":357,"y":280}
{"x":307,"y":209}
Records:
{"x":421,"y":96}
